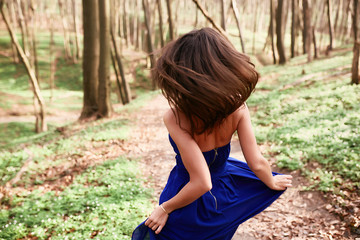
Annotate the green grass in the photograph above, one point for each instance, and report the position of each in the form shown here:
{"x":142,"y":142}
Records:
{"x":312,"y":126}
{"x":105,"y":202}
{"x":20,"y":142}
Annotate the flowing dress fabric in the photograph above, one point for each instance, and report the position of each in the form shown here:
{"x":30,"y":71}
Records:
{"x":237,"y":195}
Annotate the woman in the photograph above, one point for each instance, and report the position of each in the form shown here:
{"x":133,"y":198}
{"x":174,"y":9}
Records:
{"x":208,"y":194}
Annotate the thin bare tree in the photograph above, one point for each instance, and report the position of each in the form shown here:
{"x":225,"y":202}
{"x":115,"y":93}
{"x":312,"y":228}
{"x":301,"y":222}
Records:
{"x":272,"y":13}
{"x":170,"y":21}
{"x":294,"y":23}
{"x":148,"y":35}
{"x":39,"y":103}
{"x":162,"y":42}
{"x":207,"y":16}
{"x":329,"y":11}
{"x":237,"y":18}
{"x":355,"y":62}
{"x":77,"y":54}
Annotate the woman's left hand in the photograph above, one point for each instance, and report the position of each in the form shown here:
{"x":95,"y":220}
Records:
{"x":157,"y":220}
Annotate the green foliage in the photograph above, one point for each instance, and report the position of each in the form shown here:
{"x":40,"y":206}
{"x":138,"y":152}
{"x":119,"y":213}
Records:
{"x":105,"y":202}
{"x":316,"y":121}
{"x":68,"y":76}
{"x":115,"y":129}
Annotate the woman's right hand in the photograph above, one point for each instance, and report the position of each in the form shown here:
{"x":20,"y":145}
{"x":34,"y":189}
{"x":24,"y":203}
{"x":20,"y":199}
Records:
{"x":157,"y":220}
{"x":281,"y":182}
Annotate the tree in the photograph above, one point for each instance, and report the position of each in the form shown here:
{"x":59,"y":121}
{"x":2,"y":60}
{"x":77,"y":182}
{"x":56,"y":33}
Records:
{"x":104,"y":103}
{"x":236,"y":15}
{"x":124,"y":90}
{"x":39,"y":104}
{"x":271,"y":28}
{"x":307,"y":32}
{"x":294,"y":23}
{"x":279,"y":33}
{"x":355,"y":62}
{"x":207,"y":16}
{"x":171,"y":25}
{"x":91,"y":58}
{"x":77,"y":37}
{"x":160,"y":24}
{"x":306,"y":22}
{"x":148,"y":35}
{"x":328,"y":3}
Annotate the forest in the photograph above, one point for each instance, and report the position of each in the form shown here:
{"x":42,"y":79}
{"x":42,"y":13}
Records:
{"x":83,"y":152}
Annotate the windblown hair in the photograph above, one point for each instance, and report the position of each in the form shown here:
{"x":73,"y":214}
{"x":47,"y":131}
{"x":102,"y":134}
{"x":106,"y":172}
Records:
{"x":203,"y":76}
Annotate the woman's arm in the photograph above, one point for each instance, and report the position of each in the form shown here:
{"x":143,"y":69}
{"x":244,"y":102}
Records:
{"x":257,"y":163}
{"x":195,"y":164}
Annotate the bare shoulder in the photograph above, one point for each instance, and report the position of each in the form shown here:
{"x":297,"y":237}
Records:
{"x":169,"y":117}
{"x":174,"y":119}
{"x":239,"y":114}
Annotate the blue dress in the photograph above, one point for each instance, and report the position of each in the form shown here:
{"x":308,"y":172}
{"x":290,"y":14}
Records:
{"x":236,"y":195}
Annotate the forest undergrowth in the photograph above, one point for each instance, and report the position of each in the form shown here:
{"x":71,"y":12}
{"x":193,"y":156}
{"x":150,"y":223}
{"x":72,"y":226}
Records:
{"x":77,"y":183}
{"x":309,"y":116}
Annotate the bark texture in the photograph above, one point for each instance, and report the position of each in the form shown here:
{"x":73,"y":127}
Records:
{"x":91,"y":57}
{"x":104,"y":104}
{"x":279,"y":33}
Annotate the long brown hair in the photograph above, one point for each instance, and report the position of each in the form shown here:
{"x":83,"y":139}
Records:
{"x":203,"y":76}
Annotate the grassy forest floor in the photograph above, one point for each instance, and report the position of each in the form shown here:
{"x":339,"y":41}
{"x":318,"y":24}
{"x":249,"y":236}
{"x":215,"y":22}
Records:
{"x":99,"y":179}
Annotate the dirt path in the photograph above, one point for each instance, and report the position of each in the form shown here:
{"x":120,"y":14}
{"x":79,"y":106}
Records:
{"x":296,"y":215}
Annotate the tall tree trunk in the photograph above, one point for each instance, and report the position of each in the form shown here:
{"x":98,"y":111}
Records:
{"x":222,"y":7}
{"x":32,"y":17}
{"x":160,"y":24}
{"x":90,"y":57}
{"x":307,"y":24}
{"x":354,"y":21}
{"x":314,"y":43}
{"x":309,"y":31}
{"x":24,"y":35}
{"x":41,"y":125}
{"x":279,"y":33}
{"x":123,"y":87}
{"x":117,"y":74}
{"x":236,"y":15}
{"x":355,"y":63}
{"x":329,"y":9}
{"x":294,"y":7}
{"x":171,"y":26}
{"x":125,"y":24}
{"x":13,"y":24}
{"x":77,"y":37}
{"x":148,"y":35}
{"x":138,"y":27}
{"x":272,"y":11}
{"x":105,"y":109}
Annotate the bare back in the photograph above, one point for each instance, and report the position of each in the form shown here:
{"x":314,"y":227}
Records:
{"x":219,"y":136}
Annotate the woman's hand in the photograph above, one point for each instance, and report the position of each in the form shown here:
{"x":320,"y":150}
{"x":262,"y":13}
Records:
{"x":281,"y":182}
{"x":157,"y":220}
